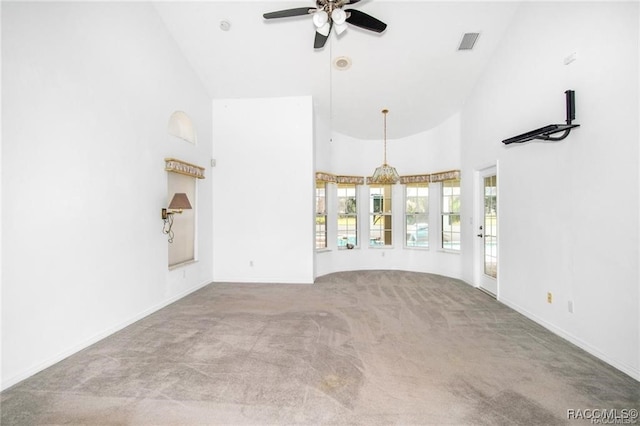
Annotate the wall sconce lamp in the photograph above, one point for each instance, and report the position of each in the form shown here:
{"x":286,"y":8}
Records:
{"x":178,"y":203}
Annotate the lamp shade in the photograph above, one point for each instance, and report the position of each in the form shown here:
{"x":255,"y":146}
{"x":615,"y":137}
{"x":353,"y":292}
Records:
{"x":180,"y":202}
{"x":385,"y":174}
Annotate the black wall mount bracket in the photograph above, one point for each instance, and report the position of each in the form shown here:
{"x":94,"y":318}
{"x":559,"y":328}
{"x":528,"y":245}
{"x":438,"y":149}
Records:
{"x":544,"y":133}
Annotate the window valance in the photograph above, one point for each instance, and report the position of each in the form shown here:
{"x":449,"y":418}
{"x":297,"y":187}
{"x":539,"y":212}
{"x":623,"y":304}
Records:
{"x":359,"y":180}
{"x":415,"y":179}
{"x":325,"y":177}
{"x":330,"y":178}
{"x":353,"y":180}
{"x":442,"y":176}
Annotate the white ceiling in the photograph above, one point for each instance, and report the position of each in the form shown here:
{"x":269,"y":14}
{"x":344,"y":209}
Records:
{"x":413,"y":68}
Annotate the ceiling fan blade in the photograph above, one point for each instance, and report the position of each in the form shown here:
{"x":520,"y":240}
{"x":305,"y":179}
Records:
{"x":299,"y":11}
{"x":362,"y":20}
{"x":320,"y":39}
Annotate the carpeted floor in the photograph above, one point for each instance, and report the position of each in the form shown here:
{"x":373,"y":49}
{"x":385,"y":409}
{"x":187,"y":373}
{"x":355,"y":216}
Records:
{"x":366,"y":348}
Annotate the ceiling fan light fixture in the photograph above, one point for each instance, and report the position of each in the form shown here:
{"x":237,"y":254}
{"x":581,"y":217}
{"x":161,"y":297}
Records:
{"x":340,"y":28}
{"x":338,"y":16}
{"x":327,"y":13}
{"x":324,"y":30}
{"x":320,"y":18}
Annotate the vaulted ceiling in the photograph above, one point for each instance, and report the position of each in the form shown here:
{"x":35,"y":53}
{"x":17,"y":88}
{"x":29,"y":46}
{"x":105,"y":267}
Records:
{"x":413,"y":68}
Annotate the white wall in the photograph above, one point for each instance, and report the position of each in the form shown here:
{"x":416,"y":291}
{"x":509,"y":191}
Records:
{"x":1,"y":215}
{"x":87,"y":93}
{"x":568,"y":211}
{"x":263,"y":186}
{"x":432,"y":151}
{"x":435,"y":150}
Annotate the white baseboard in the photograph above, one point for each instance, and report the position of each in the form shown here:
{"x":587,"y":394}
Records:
{"x":627,"y":369}
{"x":245,"y":280}
{"x":7,"y":383}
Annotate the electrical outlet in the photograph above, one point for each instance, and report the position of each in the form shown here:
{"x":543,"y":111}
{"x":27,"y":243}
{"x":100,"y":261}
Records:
{"x":549,"y":297}
{"x":570,"y":306}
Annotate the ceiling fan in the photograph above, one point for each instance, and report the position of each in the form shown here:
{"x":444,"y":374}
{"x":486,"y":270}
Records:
{"x":329,"y":13}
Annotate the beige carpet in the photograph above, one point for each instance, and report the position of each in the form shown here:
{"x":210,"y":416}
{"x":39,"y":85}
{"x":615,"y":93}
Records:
{"x":366,"y":348}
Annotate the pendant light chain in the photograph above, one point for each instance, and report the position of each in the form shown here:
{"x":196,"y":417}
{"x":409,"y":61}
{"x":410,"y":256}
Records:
{"x":385,"y":111}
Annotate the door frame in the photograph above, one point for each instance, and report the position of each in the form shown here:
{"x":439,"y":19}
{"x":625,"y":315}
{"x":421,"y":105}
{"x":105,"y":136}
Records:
{"x":478,"y":246}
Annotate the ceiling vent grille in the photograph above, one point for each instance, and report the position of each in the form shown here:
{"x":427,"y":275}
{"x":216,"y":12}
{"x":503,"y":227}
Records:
{"x":468,"y":40}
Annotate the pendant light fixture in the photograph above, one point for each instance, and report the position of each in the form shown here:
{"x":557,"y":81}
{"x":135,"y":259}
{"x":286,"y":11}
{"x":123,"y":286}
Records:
{"x":385,"y":174}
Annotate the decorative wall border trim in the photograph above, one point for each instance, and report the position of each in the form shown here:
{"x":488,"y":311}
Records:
{"x":448,"y":175}
{"x":182,"y":167}
{"x":353,"y":180}
{"x":415,"y":179}
{"x":359,"y":180}
{"x":330,"y":178}
{"x":325,"y":177}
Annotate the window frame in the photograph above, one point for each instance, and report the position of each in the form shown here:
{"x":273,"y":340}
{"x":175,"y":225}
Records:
{"x":321,"y":200}
{"x":424,"y":212}
{"x":386,"y":213}
{"x":346,"y":215}
{"x":449,"y":210}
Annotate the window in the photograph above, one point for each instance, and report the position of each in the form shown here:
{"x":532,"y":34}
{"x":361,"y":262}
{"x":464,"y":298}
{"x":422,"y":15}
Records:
{"x":417,"y":215}
{"x":347,"y":215}
{"x":321,"y":215}
{"x":380,"y":216}
{"x":451,"y":214}
{"x":490,"y":230}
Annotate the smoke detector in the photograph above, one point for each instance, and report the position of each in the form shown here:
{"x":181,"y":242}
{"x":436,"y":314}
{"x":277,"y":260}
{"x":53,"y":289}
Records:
{"x":342,"y":63}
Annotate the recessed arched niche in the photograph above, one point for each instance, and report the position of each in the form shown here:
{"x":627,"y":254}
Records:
{"x":181,"y":126}
{"x":181,"y":179}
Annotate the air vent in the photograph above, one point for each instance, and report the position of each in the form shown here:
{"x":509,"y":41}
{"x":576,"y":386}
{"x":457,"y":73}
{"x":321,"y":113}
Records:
{"x":468,"y":40}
